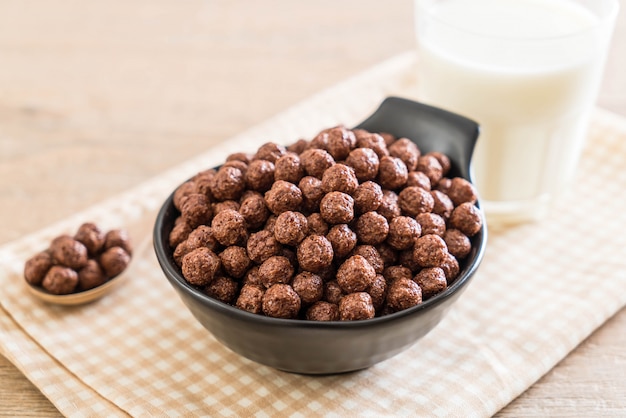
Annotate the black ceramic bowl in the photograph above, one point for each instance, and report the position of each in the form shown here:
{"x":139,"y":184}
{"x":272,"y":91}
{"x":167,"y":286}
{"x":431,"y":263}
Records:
{"x":312,"y":347}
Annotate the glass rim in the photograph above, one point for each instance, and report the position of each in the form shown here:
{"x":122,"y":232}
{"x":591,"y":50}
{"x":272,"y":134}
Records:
{"x":424,"y":7}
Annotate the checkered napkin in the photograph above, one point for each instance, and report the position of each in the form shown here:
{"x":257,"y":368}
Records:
{"x":541,"y":289}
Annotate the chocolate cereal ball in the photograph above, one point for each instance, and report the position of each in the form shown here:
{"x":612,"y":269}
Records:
{"x":315,"y":253}
{"x":320,"y":141}
{"x":252,"y":277}
{"x":431,"y":223}
{"x":466,"y":218}
{"x":91,"y":236}
{"x":226,"y":204}
{"x":200,"y":266}
{"x":340,"y":178}
{"x":183,"y":191}
{"x":262,"y":245}
{"x":418,"y":179}
{"x":323,"y":311}
{"x":289,"y":168}
{"x":403,"y":231}
{"x":223,"y":289}
{"x":443,"y":206}
{"x":250,"y":298}
{"x":179,"y":232}
{"x":415,"y":200}
{"x":388,"y":254}
{"x":389,"y":138}
{"x":332,"y":292}
{"x":339,"y":142}
{"x":312,"y":193}
{"x":260,"y":175}
{"x":430,"y":166}
{"x":229,"y":228}
{"x":91,"y":276}
{"x":281,"y":301}
{"x":443,"y":185}
{"x":298,"y":147}
{"x":403,"y":294}
{"x":337,"y":208}
{"x":270,"y":152}
{"x":118,"y":238}
{"x":365,"y":163}
{"x":309,"y":286}
{"x":254,"y":210}
{"x":372,"y":228}
{"x":328,"y":273}
{"x":283,"y":196}
{"x":431,"y":280}
{"x":371,"y":140}
{"x":67,"y":251}
{"x":406,"y":259}
{"x":291,"y":228}
{"x":367,"y":197}
{"x":430,"y":251}
{"x":114,"y":261}
{"x":316,"y":161}
{"x":228,"y":183}
{"x":270,"y":223}
{"x":356,"y":306}
{"x":36,"y":267}
{"x":240,"y":156}
{"x":290,"y":254}
{"x":240,"y":165}
{"x":203,"y":182}
{"x":392,"y":173}
{"x":393,"y":273}
{"x":276,"y":269}
{"x":196,"y":210}
{"x":407,"y":151}
{"x":235,"y":261}
{"x":378,"y":291}
{"x":60,"y":280}
{"x":444,"y":161}
{"x":462,"y":191}
{"x":459,"y":245}
{"x":317,"y":224}
{"x":450,"y":267}
{"x":356,"y":274}
{"x":389,"y":206}
{"x":202,"y":236}
{"x":343,"y":240}
{"x":371,"y":254}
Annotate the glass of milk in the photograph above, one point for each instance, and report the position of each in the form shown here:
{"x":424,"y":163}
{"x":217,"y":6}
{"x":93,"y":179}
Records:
{"x":528,"y":71}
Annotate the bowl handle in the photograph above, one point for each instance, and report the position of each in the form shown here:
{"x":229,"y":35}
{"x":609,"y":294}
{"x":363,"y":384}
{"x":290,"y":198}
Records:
{"x":432,"y":128}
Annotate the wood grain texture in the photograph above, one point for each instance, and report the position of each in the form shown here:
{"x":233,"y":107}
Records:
{"x":97,"y":96}
{"x":18,"y":397}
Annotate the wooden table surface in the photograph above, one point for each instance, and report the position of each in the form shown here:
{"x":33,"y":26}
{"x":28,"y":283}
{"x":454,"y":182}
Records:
{"x":97,"y":96}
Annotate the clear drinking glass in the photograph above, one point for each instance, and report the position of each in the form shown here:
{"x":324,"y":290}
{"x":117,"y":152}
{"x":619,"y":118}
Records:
{"x":528,"y":71}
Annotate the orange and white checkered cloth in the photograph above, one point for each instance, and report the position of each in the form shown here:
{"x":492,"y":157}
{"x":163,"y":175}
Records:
{"x":541,"y":289}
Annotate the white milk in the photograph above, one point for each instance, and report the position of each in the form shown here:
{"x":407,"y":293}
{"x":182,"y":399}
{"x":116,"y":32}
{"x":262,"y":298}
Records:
{"x":528,"y":72}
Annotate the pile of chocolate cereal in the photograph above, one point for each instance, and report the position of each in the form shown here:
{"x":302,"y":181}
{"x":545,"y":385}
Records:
{"x":81,"y":262}
{"x":347,"y":226}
